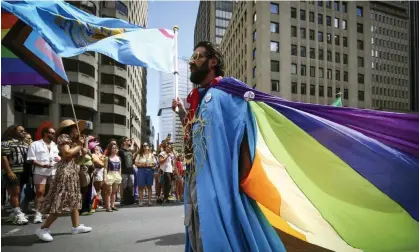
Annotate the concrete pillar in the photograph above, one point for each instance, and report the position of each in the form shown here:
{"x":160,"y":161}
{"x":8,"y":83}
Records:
{"x":54,"y":108}
{"x":7,"y":112}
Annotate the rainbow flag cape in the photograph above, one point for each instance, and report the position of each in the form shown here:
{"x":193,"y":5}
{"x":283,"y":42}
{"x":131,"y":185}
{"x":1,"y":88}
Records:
{"x":323,"y":178}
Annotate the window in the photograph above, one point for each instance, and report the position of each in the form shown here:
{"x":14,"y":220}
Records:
{"x":321,"y":52}
{"x":345,"y":93}
{"x":337,"y":40}
{"x":274,"y":27}
{"x":345,"y":59}
{"x":79,"y":66}
{"x":121,"y":7}
{"x":320,"y":37}
{"x":329,"y":92}
{"x":321,"y":91}
{"x":274,"y":8}
{"x":293,"y":13}
{"x":329,"y":4}
{"x":320,"y":3}
{"x":254,"y":72}
{"x":254,"y":17}
{"x":336,"y":6}
{"x":336,"y":22}
{"x":360,"y":28}
{"x":112,"y":118}
{"x":328,"y":21}
{"x":294,"y":87}
{"x":359,"y":11}
{"x":303,"y":88}
{"x":294,"y":50}
{"x":303,"y":70}
{"x":329,"y":56}
{"x":337,"y":57}
{"x":329,"y":38}
{"x":254,"y":53}
{"x":360,"y":45}
{"x":274,"y":66}
{"x":344,"y":27}
{"x":312,"y":89}
{"x":312,"y":53}
{"x":106,"y":98}
{"x":311,"y":35}
{"x":337,"y":75}
{"x":293,"y":31}
{"x":311,"y":16}
{"x":275,"y":85}
{"x":302,"y":15}
{"x":360,"y":78}
{"x":110,"y":79}
{"x":303,"y":33}
{"x":360,"y":95}
{"x":294,"y":68}
{"x":320,"y":19}
{"x":254,"y":36}
{"x":312,"y":71}
{"x":274,"y":46}
{"x":81,"y":89}
{"x":345,"y":41}
{"x":303,"y":51}
{"x":345,"y":7}
{"x":321,"y":72}
{"x":329,"y":74}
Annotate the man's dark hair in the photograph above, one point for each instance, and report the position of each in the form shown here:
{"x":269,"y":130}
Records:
{"x":10,"y":132}
{"x":213,"y":51}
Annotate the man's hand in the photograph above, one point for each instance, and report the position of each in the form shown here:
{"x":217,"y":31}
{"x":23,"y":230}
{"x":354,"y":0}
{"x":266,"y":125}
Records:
{"x":178,"y":103}
{"x":11,"y":175}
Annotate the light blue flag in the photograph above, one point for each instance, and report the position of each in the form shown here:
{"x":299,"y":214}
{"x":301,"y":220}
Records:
{"x":71,"y":31}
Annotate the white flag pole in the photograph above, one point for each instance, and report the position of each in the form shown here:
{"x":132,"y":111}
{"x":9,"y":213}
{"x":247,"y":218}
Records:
{"x":176,"y":70}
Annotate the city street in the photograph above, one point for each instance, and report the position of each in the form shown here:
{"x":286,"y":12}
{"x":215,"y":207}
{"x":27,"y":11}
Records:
{"x":133,"y":228}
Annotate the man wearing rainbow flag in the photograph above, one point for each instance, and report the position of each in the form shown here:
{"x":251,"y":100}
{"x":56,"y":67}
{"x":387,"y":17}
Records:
{"x":266,"y":174}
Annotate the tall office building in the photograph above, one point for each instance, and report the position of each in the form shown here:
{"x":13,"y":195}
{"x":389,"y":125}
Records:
{"x":414,"y":54}
{"x":310,"y":51}
{"x":104,"y":92}
{"x":212,"y":20}
{"x":169,"y":122}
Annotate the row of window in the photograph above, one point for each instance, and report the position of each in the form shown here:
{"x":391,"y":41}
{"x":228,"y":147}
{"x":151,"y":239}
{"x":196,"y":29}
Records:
{"x":78,"y":66}
{"x":111,"y":79}
{"x":388,"y":32}
{"x":320,"y":38}
{"x":303,"y":90}
{"x":389,"y":80}
{"x":389,"y":44}
{"x":389,"y":92}
{"x":389,"y":68}
{"x":390,"y":104}
{"x":106,"y":98}
{"x":390,"y":21}
{"x":112,"y":118}
{"x":109,"y":61}
{"x":80,"y":89}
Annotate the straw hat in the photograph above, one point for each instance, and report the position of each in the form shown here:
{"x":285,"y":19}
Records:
{"x":67,"y":123}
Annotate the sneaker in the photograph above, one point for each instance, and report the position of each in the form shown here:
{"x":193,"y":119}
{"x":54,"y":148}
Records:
{"x":20,"y":219}
{"x":80,"y":229}
{"x":38,"y":218}
{"x":44,"y":234}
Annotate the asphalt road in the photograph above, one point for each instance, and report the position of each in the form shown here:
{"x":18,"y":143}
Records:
{"x":132,"y":228}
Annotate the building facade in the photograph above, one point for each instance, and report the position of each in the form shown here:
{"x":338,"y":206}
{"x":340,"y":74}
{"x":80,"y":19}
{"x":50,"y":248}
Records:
{"x":414,"y":55}
{"x":110,"y":95}
{"x":169,"y":122}
{"x":212,"y":20}
{"x":310,"y":51}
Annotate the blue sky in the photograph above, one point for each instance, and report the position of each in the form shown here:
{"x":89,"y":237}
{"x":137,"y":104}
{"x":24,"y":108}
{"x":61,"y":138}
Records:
{"x":166,"y":14}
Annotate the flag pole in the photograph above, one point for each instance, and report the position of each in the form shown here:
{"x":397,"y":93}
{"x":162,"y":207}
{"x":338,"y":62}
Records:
{"x":72,"y":107}
{"x":176,"y":70}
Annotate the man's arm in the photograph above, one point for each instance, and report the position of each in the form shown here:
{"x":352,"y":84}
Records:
{"x":245,"y":163}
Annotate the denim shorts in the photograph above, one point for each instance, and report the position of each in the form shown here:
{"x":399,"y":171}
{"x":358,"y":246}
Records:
{"x":145,"y":177}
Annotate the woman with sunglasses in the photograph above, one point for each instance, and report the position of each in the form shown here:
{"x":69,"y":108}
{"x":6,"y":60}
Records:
{"x":145,"y":163}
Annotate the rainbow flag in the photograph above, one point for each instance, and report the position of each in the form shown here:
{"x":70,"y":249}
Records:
{"x":323,"y":178}
{"x":26,"y":58}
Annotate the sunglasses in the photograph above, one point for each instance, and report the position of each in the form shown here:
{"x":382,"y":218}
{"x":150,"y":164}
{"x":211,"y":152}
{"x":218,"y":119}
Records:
{"x":197,"y":55}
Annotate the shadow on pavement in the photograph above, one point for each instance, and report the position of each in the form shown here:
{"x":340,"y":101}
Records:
{"x":24,"y":240}
{"x":166,"y":240}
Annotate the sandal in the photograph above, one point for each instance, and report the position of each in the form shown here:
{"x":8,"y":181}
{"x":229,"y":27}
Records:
{"x":109,"y":210}
{"x":115,"y":209}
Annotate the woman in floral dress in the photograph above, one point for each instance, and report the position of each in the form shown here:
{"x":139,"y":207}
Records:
{"x":64,"y":194}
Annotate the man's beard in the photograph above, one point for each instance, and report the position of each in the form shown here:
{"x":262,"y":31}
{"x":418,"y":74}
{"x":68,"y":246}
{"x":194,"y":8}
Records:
{"x":50,"y":138}
{"x":199,"y":75}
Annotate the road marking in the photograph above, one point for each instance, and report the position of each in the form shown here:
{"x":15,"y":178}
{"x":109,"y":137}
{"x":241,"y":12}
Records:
{"x":12,"y":231}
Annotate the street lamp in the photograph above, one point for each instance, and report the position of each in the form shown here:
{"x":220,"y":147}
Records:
{"x":132,"y":117}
